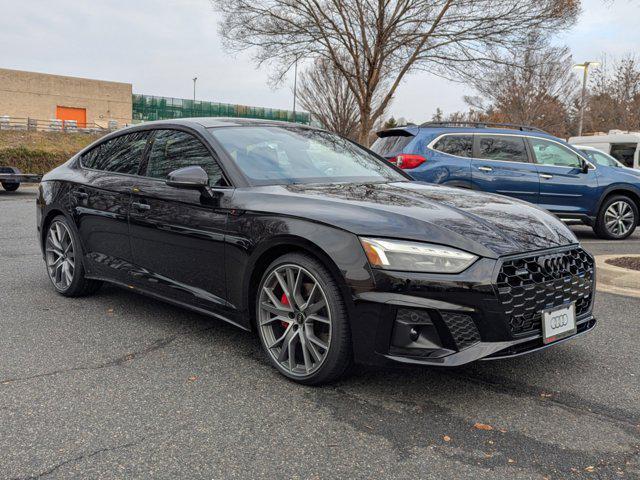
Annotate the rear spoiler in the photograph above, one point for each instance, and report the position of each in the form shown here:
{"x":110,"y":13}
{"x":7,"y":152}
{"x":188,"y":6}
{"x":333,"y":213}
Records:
{"x":396,"y":132}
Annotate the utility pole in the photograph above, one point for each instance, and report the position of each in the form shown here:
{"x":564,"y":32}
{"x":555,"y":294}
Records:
{"x":585,"y":69}
{"x":295,"y":86}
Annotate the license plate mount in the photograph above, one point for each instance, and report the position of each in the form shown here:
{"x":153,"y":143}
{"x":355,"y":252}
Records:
{"x":558,"y":323}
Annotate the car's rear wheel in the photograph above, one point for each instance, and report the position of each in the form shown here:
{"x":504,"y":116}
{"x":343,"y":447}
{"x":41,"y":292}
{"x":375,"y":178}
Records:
{"x":617,"y":219}
{"x":63,"y":257}
{"x":302,"y":320}
{"x":10,"y":186}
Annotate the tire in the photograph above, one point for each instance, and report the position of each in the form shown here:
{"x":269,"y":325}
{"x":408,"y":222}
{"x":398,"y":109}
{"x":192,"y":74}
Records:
{"x":617,"y":218}
{"x":316,"y":318}
{"x":64,"y":263}
{"x":10,"y":187}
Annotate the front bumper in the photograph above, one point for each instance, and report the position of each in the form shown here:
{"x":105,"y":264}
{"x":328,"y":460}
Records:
{"x":490,"y":311}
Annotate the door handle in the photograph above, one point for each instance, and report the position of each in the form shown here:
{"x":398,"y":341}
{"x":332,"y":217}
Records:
{"x":141,"y":206}
{"x":81,"y":195}
{"x":486,"y":169}
{"x":546,"y":176}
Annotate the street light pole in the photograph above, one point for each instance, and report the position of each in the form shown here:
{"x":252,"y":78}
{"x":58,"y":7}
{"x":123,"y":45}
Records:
{"x":585,"y":68}
{"x":194,"y":88}
{"x":295,"y":87}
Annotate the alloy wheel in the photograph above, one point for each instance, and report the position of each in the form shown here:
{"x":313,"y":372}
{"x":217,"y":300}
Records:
{"x":60,"y":255}
{"x":294,"y":318}
{"x":619,"y":218}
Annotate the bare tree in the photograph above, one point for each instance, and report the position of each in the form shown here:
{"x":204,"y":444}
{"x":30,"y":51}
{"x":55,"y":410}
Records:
{"x":324,"y":92}
{"x":532,"y":84}
{"x":614,"y":100}
{"x":374,"y":44}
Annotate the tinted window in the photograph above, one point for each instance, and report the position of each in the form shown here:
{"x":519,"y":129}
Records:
{"x":391,"y":145}
{"x":120,"y":154}
{"x":551,"y":153}
{"x":501,"y":147}
{"x":173,"y":149}
{"x":459,"y":145}
{"x":286,"y":155}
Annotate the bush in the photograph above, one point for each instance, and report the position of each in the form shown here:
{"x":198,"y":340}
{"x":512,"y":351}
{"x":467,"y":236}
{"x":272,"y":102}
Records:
{"x":39,"y":152}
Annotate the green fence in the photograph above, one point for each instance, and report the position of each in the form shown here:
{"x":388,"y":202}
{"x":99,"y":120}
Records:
{"x":147,"y":107}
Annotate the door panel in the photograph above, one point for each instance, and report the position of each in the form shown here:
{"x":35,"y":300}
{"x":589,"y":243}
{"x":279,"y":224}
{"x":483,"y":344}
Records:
{"x":563,"y":185}
{"x":177,"y":243}
{"x":501,"y":165}
{"x":100,"y":212}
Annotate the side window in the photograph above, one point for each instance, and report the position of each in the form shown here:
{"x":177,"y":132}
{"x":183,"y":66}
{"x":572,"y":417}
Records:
{"x":121,"y":154}
{"x":624,"y":152}
{"x":173,"y":149}
{"x":502,"y":147}
{"x":551,"y":153}
{"x":459,"y":145}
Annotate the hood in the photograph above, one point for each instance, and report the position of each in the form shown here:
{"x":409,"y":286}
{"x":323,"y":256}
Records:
{"x":484,"y":224}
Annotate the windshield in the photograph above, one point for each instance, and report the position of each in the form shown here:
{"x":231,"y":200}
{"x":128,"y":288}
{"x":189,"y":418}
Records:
{"x":285,"y":155}
{"x":601,"y":158}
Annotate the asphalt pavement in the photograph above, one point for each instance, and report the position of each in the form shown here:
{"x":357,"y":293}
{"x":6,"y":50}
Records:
{"x":120,"y":386}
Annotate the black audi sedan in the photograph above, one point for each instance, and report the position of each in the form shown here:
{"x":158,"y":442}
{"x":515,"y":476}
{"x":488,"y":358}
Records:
{"x":330,"y":253}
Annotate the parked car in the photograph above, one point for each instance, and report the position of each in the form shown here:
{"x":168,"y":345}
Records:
{"x":521,"y":162}
{"x":12,"y":177}
{"x":330,"y":253}
{"x":623,"y":146}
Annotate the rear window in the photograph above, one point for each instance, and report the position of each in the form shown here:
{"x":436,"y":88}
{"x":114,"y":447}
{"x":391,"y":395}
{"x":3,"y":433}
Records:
{"x":391,"y":145}
{"x":458,"y":145}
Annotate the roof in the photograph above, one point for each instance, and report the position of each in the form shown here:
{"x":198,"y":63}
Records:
{"x":211,"y":122}
{"x":437,"y":130}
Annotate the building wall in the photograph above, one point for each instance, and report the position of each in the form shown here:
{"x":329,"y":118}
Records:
{"x":36,"y":95}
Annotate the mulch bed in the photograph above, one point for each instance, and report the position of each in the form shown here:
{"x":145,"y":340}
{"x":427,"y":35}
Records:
{"x":632,"y":263}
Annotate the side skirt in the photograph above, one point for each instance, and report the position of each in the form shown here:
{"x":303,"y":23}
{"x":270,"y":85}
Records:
{"x":177,"y":303}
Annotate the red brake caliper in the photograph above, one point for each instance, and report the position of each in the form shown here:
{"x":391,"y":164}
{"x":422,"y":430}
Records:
{"x":285,"y":301}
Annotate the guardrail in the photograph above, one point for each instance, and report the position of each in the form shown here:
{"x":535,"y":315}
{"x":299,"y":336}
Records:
{"x":54,"y":125}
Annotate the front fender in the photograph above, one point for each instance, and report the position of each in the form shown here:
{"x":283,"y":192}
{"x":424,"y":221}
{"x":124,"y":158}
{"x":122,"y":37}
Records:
{"x":256,"y":239}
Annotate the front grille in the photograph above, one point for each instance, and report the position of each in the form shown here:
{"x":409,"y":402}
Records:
{"x":463,"y":330}
{"x":526,"y":286}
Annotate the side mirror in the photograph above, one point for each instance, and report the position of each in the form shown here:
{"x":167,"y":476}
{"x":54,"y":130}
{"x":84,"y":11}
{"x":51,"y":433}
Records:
{"x":192,"y":178}
{"x":585,"y":166}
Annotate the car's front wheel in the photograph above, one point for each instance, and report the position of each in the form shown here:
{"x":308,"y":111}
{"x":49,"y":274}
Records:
{"x":617,"y":219}
{"x":63,"y":257}
{"x":302,"y":320}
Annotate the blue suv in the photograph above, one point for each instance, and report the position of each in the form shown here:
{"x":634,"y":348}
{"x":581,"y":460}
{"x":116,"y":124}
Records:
{"x":521,"y":162}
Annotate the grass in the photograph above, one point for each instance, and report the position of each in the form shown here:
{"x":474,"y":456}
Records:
{"x":39,"y":152}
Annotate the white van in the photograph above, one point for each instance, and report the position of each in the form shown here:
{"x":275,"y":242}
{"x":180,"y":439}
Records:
{"x":623,"y":146}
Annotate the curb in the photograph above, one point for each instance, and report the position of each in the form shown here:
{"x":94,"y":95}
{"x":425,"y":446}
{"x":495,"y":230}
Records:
{"x":617,"y":280}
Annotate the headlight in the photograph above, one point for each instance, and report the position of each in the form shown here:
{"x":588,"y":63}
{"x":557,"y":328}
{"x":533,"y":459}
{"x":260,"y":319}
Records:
{"x":415,"y":257}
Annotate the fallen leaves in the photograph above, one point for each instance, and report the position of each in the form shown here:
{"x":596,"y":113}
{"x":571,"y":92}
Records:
{"x":482,"y":426}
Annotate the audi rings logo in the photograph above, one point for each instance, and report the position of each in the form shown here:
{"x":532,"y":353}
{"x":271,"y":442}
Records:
{"x":559,"y":321}
{"x":554,"y":263}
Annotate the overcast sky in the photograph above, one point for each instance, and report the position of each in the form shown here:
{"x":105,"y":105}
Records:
{"x":160,"y":45}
